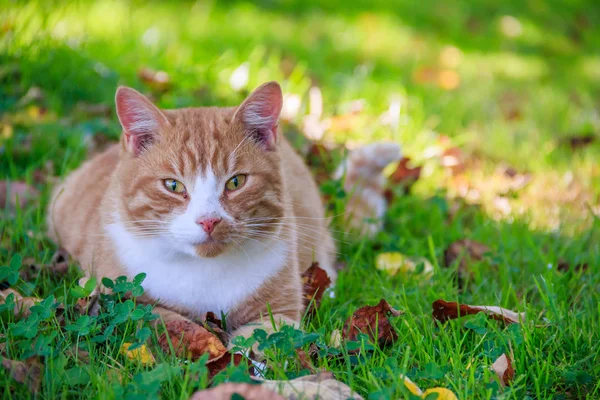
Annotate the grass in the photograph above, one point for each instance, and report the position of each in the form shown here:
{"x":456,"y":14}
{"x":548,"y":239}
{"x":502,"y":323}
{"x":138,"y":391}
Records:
{"x":528,"y":82}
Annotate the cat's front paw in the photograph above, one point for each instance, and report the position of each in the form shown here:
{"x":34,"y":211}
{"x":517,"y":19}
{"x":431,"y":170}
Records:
{"x":190,"y":340}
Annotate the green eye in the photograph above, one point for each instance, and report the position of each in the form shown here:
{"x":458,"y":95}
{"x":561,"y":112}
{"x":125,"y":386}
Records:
{"x":236,"y":182}
{"x":174,"y":186}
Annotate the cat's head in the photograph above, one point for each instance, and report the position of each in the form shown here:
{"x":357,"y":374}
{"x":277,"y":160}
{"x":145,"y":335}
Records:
{"x":204,"y":180}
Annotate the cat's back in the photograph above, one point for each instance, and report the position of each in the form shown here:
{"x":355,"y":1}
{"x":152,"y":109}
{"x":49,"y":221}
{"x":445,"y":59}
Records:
{"x":74,"y":215}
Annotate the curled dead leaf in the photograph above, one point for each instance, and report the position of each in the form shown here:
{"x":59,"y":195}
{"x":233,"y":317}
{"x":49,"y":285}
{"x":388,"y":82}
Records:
{"x":246,"y":391}
{"x":504,"y":369}
{"x":444,"y":311}
{"x":15,"y":193}
{"x":315,"y":280}
{"x":191,"y":340}
{"x":370,"y":320}
{"x":28,"y":372}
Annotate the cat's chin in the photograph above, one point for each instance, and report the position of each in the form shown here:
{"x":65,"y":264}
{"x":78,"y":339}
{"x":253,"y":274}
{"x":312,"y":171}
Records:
{"x":210,"y":249}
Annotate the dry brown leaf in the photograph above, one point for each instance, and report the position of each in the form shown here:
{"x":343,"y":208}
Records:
{"x":504,"y":369}
{"x":404,"y":175}
{"x":157,"y":80}
{"x":17,"y":193}
{"x":246,"y":390}
{"x":28,"y":372}
{"x":315,"y":281}
{"x":321,"y":386}
{"x":219,"y":365}
{"x":465,"y":250}
{"x":191,"y":340}
{"x":371,"y":319}
{"x":304,"y":361}
{"x":444,"y":311}
{"x":215,"y":326}
{"x":22,"y":304}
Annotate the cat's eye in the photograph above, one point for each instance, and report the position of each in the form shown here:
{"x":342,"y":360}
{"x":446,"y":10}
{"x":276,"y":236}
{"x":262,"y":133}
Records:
{"x":173,"y":185}
{"x":236,"y":182}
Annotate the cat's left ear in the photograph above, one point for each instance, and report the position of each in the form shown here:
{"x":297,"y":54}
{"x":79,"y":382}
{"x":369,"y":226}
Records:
{"x":141,"y":120}
{"x":259,"y":114}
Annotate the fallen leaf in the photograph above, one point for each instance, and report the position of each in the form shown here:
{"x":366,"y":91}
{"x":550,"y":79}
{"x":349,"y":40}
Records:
{"x":321,"y":386}
{"x":222,"y":363}
{"x":142,"y":354}
{"x":411,"y":386}
{"x":465,"y":250}
{"x":404,"y":175}
{"x":372,"y":319}
{"x":336,"y":338}
{"x":17,"y":193}
{"x":442,"y":393}
{"x":315,"y":280}
{"x":304,"y":362}
{"x":28,"y":372}
{"x":22,"y":304}
{"x":504,"y":369}
{"x":245,"y":391}
{"x":157,"y":80}
{"x":191,"y":340}
{"x":444,"y":311}
{"x":395,"y":262}
{"x":215,"y":326}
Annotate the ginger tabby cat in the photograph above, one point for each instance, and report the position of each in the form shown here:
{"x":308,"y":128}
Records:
{"x":213,"y":204}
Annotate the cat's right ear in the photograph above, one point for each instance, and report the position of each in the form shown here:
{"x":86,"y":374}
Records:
{"x":141,"y":120}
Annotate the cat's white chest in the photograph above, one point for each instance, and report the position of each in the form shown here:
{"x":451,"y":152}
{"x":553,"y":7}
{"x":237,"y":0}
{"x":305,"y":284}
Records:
{"x":195,"y":284}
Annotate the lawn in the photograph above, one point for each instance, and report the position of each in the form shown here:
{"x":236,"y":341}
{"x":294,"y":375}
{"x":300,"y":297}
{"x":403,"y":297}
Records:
{"x":498,"y":102}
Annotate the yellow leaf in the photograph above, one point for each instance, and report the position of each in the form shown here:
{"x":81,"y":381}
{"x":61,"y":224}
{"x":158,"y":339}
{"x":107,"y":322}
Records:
{"x":392,"y":263}
{"x":411,"y":386}
{"x":443,"y":393}
{"x":141,"y":354}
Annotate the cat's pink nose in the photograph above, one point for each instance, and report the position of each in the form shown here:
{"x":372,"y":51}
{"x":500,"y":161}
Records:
{"x":208,"y":224}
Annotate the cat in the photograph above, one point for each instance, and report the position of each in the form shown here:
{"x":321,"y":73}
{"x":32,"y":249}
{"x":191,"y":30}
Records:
{"x":213,"y":204}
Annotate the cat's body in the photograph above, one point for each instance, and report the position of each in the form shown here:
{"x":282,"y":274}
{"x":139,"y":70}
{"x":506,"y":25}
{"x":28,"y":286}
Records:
{"x":96,"y":211}
{"x":213,"y":204}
